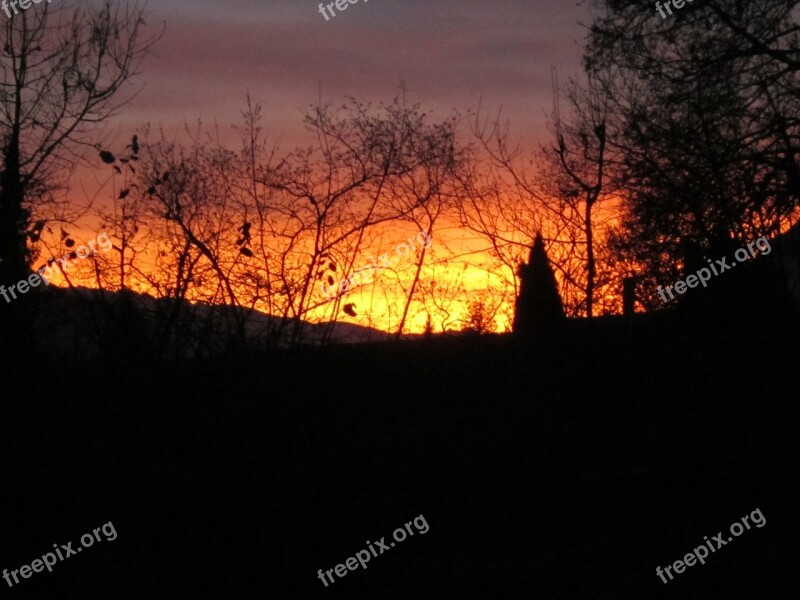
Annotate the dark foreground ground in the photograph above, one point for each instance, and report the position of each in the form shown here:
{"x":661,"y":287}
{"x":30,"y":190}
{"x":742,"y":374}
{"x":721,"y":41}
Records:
{"x":571,"y":471}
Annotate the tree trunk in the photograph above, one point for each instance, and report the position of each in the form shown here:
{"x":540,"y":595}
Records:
{"x":590,"y":261}
{"x":13,"y":218}
{"x":16,"y":320}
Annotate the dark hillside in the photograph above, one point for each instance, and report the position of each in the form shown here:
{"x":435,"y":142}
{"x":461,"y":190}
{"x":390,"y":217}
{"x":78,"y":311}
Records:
{"x":566,"y":472}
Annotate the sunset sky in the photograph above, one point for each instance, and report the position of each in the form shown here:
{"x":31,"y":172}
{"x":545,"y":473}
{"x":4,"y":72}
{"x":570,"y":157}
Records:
{"x":449,"y":55}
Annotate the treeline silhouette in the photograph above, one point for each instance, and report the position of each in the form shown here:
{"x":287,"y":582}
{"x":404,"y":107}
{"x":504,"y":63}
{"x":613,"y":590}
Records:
{"x":676,"y":145}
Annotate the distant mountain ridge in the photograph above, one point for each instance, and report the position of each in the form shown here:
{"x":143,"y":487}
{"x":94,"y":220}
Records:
{"x":86,"y":321}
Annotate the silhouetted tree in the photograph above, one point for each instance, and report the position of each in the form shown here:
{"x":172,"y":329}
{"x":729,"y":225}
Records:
{"x":539,"y":308}
{"x":574,"y":173}
{"x":561,"y":194}
{"x":480,"y":315}
{"x":60,"y":71}
{"x":257,"y":231}
{"x":704,"y":125}
{"x":371,"y":168}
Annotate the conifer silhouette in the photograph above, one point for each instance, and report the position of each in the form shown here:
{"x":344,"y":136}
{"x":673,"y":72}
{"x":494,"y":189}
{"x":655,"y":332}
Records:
{"x":538,"y":307}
